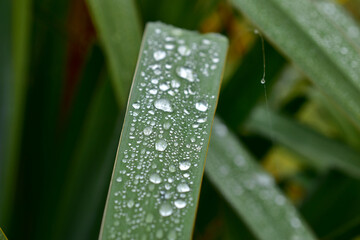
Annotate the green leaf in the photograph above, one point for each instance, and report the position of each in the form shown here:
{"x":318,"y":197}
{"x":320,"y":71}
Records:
{"x":313,"y":43}
{"x":117,"y":23}
{"x":2,"y":235}
{"x":318,"y":149}
{"x":159,"y":166}
{"x":250,"y":191}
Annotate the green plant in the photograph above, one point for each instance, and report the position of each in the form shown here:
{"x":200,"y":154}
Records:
{"x":66,"y":71}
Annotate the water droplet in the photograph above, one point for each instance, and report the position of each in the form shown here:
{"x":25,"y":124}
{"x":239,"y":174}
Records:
{"x":159,"y":55}
{"x":184,"y":50}
{"x":167,"y":125}
{"x":184,"y":165}
{"x":119,"y":179}
{"x":202,"y":105}
{"x":149,"y":218}
{"x":180,"y":203}
{"x":201,"y":120}
{"x":161,"y":145}
{"x":169,"y":46}
{"x":155,"y":178}
{"x":172,"y":235}
{"x":263,"y":81}
{"x":185,"y":73}
{"x":164,"y":87}
{"x":165,"y":210}
{"x":136,"y":105}
{"x":147,"y":131}
{"x":172,"y":168}
{"x":175,"y":83}
{"x":163,"y":104}
{"x":183,"y":187}
{"x":153,"y":91}
{"x":130,"y":203}
{"x":206,"y":41}
{"x":159,"y":233}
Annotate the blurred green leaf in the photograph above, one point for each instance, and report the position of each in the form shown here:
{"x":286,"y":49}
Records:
{"x":313,"y":43}
{"x":118,"y":25}
{"x":2,"y":235}
{"x":158,"y":145}
{"x":320,"y":151}
{"x":250,"y":191}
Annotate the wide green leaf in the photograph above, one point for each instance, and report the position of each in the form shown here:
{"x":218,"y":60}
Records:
{"x":317,"y":46}
{"x":250,"y":191}
{"x":159,"y":166}
{"x":320,"y":151}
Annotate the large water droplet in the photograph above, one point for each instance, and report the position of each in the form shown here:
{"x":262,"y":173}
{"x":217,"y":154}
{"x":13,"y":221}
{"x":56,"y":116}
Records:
{"x":163,"y":104}
{"x":155,"y":178}
{"x":165,"y":210}
{"x":161,"y":145}
{"x":180,"y":203}
{"x":184,"y":165}
{"x":183,"y":187}
{"x":159,"y":55}
{"x":184,"y":50}
{"x":136,"y":105}
{"x":202,"y":105}
{"x":185,"y":73}
{"x":147,"y":131}
{"x":262,"y":81}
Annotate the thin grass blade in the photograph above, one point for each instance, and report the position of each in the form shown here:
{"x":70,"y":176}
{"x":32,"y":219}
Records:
{"x":250,"y":191}
{"x":320,"y":151}
{"x":159,"y":166}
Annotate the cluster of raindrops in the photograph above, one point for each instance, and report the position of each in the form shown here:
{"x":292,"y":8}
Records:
{"x":254,"y":188}
{"x":166,"y":137}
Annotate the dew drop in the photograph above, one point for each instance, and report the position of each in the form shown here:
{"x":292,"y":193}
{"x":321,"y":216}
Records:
{"x":119,"y":179}
{"x":167,"y":125}
{"x":161,"y":145}
{"x":164,"y":87}
{"x":172,"y":168}
{"x":201,"y":120}
{"x":202,"y":105}
{"x":164,"y":105}
{"x":147,"y":131}
{"x":185,"y":73}
{"x":183,"y":187}
{"x":155,"y":178}
{"x":165,"y":210}
{"x":136,"y":105}
{"x":263,"y":81}
{"x":149,"y":218}
{"x":180,"y":203}
{"x":130,"y":203}
{"x":184,"y":165}
{"x":153,"y":91}
{"x":175,"y":83}
{"x":184,"y":50}
{"x":159,"y":233}
{"x":169,"y":46}
{"x":159,"y":55}
{"x":172,"y":235}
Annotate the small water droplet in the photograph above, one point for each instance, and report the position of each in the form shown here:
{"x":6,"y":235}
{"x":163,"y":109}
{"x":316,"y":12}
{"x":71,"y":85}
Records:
{"x":169,"y":46}
{"x":183,"y":187}
{"x":161,"y":145}
{"x":130,"y":203}
{"x":155,"y":178}
{"x":149,"y":218}
{"x":165,"y":210}
{"x":163,"y":104}
{"x":263,"y":81}
{"x":164,"y":87}
{"x":167,"y":125}
{"x":119,"y":179}
{"x":201,"y":120}
{"x":180,"y":203}
{"x":172,"y":235}
{"x":184,"y":165}
{"x":202,"y":105}
{"x":147,"y":131}
{"x":185,"y":73}
{"x":136,"y":105}
{"x":184,"y":50}
{"x":153,"y":91}
{"x":159,"y":55}
{"x":172,"y":168}
{"x":175,"y":83}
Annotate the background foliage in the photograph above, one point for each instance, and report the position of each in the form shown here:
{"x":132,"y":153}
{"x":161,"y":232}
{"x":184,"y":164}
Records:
{"x":62,"y":105}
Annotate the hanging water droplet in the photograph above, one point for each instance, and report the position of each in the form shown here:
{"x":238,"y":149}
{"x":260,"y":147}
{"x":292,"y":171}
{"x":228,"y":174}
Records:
{"x":136,"y":105}
{"x":175,"y":83}
{"x":159,"y":55}
{"x":155,"y":178}
{"x":183,"y":187}
{"x":263,"y":81}
{"x":185,"y":73}
{"x":184,"y":165}
{"x":184,"y":50}
{"x":202,"y":105}
{"x":161,"y":145}
{"x":163,"y":104}
{"x":164,"y":87}
{"x":147,"y":131}
{"x":180,"y":203}
{"x":165,"y":210}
